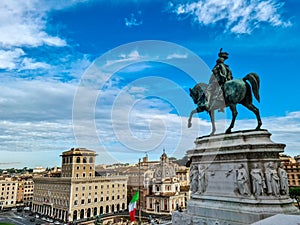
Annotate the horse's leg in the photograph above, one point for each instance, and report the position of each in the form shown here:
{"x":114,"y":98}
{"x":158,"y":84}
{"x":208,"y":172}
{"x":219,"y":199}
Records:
{"x":212,"y":118}
{"x":234,"y":114}
{"x":190,"y":118}
{"x":255,"y":110}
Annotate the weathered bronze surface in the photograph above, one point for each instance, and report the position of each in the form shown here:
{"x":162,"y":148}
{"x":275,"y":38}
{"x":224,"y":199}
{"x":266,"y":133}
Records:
{"x":223,"y":91}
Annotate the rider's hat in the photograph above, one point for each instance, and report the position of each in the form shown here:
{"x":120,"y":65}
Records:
{"x":223,"y":55}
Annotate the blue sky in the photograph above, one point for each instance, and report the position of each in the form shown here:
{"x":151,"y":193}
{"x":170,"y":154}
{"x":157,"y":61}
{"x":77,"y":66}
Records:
{"x":84,"y":73}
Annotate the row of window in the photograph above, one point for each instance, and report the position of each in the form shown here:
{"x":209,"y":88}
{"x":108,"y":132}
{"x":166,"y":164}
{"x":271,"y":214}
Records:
{"x":8,"y":184}
{"x":3,"y":188}
{"x":80,"y":214}
{"x":78,"y":160}
{"x":83,"y":175}
{"x":89,"y":200}
{"x":102,"y":186}
{"x":7,"y":196}
{"x":7,"y":203}
{"x":78,"y":167}
{"x":7,"y":193}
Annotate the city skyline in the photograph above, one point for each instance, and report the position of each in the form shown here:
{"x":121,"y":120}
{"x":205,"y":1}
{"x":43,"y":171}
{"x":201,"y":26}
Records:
{"x":47,"y":49}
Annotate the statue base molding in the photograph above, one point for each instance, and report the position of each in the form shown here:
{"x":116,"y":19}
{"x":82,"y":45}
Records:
{"x":235,"y":180}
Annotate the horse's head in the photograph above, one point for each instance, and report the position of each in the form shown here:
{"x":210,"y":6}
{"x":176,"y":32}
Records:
{"x":198,"y":92}
{"x":194,"y":95}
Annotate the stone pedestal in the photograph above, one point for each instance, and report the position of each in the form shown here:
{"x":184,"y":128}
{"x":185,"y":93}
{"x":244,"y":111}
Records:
{"x":235,"y":179}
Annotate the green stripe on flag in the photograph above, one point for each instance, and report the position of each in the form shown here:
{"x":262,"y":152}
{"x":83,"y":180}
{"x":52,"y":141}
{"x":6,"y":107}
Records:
{"x":135,"y":197}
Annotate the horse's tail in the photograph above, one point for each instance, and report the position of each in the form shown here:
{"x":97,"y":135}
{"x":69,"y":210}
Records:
{"x":254,"y":80}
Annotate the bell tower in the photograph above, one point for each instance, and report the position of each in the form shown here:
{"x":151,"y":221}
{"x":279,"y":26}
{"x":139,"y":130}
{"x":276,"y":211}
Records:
{"x":78,"y":163}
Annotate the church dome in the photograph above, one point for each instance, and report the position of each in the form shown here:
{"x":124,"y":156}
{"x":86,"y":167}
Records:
{"x":164,"y":169}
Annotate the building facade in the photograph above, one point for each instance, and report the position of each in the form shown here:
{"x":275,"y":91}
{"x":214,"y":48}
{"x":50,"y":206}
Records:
{"x":9,"y":190}
{"x":165,"y":195}
{"x":78,"y":194}
{"x":25,"y":191}
{"x":292,"y":167}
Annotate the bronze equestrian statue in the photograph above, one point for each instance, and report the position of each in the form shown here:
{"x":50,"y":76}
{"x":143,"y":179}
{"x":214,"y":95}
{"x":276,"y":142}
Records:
{"x":223,"y":91}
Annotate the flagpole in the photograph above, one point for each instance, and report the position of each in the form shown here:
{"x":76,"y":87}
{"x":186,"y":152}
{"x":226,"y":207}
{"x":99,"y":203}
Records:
{"x":140,"y":192}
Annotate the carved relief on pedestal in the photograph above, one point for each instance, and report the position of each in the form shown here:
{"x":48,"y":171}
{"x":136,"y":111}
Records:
{"x":284,"y":181}
{"x":202,"y":180}
{"x":242,"y":180}
{"x":258,"y":180}
{"x":272,"y":179}
{"x":194,"y":173}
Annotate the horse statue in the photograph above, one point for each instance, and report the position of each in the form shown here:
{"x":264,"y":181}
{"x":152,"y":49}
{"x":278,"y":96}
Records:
{"x":236,"y":91}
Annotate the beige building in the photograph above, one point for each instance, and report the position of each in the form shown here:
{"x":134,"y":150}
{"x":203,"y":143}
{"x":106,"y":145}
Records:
{"x":79,"y":194}
{"x":25,"y":191}
{"x":8,"y":190}
{"x":292,"y":167}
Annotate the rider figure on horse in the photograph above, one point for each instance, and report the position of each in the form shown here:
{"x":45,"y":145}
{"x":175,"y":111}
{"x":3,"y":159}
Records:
{"x":221,"y":74}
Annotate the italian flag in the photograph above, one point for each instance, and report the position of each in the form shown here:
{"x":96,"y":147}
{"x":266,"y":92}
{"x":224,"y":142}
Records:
{"x":132,"y":206}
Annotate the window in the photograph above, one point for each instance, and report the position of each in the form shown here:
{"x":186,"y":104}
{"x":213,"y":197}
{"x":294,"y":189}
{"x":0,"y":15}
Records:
{"x":82,"y":201}
{"x":107,"y":198}
{"x":96,"y":187}
{"x":89,"y":200}
{"x":78,"y":160}
{"x":77,"y":167}
{"x":91,"y":160}
{"x":76,"y":189}
{"x":112,"y":197}
{"x":75,"y":202}
{"x":84,"y":160}
{"x":95,"y":199}
{"x":83,"y":188}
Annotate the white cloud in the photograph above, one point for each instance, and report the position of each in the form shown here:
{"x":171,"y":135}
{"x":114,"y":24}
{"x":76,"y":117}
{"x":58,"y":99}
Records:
{"x":240,"y":16}
{"x":35,"y":100}
{"x":133,"y":56}
{"x":10,"y":58}
{"x":23,"y":25}
{"x":177,"y":56}
{"x":29,"y":64}
{"x":134,"y":20}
